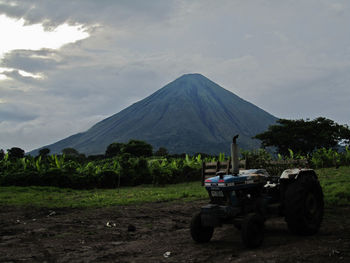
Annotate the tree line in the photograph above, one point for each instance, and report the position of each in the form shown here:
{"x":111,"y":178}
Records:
{"x":135,"y":148}
{"x":134,"y":162}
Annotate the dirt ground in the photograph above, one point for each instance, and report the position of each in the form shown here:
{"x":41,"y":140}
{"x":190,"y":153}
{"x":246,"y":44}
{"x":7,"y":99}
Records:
{"x":157,"y":232}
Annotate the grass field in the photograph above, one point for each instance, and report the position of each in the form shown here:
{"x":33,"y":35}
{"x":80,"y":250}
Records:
{"x":335,"y":184}
{"x":64,"y":197}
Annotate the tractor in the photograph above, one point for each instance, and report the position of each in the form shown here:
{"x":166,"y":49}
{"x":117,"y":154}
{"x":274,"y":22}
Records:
{"x":247,"y":198}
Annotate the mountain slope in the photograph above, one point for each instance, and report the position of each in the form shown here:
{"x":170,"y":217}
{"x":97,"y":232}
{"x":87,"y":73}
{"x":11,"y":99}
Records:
{"x":191,"y":114}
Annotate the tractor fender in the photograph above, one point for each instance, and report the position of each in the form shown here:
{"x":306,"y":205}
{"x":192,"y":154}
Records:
{"x":298,"y":173}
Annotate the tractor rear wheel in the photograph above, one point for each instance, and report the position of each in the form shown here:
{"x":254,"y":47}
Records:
{"x":253,"y":230}
{"x":200,"y":233}
{"x":304,"y":206}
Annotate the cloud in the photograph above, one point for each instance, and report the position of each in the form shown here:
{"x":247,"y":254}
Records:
{"x":115,"y":13}
{"x":13,"y":113}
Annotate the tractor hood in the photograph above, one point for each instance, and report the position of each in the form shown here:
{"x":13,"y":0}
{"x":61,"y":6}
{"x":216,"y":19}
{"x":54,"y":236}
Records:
{"x":244,"y":177}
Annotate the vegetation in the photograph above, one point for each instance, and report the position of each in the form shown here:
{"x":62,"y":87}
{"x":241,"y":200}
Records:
{"x":329,"y":157}
{"x":44,"y":152}
{"x":125,"y":169}
{"x":335,"y":184}
{"x":114,"y":149}
{"x":15,"y":153}
{"x":50,"y":179}
{"x":135,"y":148}
{"x":304,"y":137}
{"x":62,"y":197}
{"x":122,"y":170}
{"x":2,"y":154}
{"x":70,"y":152}
{"x":161,"y":152}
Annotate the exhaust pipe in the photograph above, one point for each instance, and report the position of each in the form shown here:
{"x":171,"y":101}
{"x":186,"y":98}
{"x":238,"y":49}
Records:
{"x":234,"y":156}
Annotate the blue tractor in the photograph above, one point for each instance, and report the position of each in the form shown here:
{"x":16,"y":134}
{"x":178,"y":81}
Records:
{"x":247,"y":198}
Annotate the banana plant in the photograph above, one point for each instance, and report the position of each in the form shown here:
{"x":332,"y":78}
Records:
{"x":189,"y":161}
{"x":347,"y":155}
{"x":98,"y":169}
{"x":116,"y":165}
{"x":222,"y":157}
{"x":279,"y":157}
{"x":164,"y":163}
{"x":38,"y":165}
{"x":174,"y":164}
{"x":59,"y":161}
{"x":5,"y":162}
{"x":24,"y":163}
{"x":199,"y":158}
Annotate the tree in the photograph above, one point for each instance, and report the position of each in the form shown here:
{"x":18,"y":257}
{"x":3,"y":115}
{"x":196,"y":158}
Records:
{"x":70,"y":152}
{"x":138,"y":148}
{"x":114,"y":149}
{"x":44,"y":152}
{"x":2,"y":154}
{"x":15,"y":153}
{"x":304,"y":137}
{"x":161,"y":152}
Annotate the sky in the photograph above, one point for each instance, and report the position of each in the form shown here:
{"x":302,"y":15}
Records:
{"x":65,"y":65}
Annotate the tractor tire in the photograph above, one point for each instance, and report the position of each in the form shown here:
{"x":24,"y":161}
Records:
{"x":253,"y":230}
{"x":238,"y":225}
{"x":200,"y":233}
{"x":304,"y":206}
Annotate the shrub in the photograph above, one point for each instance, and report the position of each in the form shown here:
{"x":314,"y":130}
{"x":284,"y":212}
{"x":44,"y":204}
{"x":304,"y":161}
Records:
{"x":138,"y":148}
{"x":107,"y":179}
{"x":114,"y":149}
{"x":56,"y":177}
{"x":325,"y":158}
{"x":15,"y":153}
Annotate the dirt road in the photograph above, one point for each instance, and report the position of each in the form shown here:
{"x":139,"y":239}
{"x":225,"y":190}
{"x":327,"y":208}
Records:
{"x":146,"y":233}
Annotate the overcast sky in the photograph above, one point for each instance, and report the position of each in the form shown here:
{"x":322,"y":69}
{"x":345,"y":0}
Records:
{"x":64,"y":65}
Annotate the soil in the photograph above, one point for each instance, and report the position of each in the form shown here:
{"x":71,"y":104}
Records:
{"x":157,"y":232}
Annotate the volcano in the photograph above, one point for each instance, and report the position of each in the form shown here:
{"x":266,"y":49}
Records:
{"x":189,"y":115}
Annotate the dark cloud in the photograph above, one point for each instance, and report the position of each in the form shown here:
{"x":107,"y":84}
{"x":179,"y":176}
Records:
{"x":30,"y":61}
{"x":15,"y":114}
{"x":122,"y":12}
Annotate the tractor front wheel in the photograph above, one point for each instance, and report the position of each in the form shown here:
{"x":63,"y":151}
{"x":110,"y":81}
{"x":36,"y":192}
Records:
{"x":200,"y":233}
{"x":253,"y":230}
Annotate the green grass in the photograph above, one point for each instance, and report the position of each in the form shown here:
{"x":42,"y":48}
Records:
{"x":335,"y":184}
{"x":62,"y":197}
